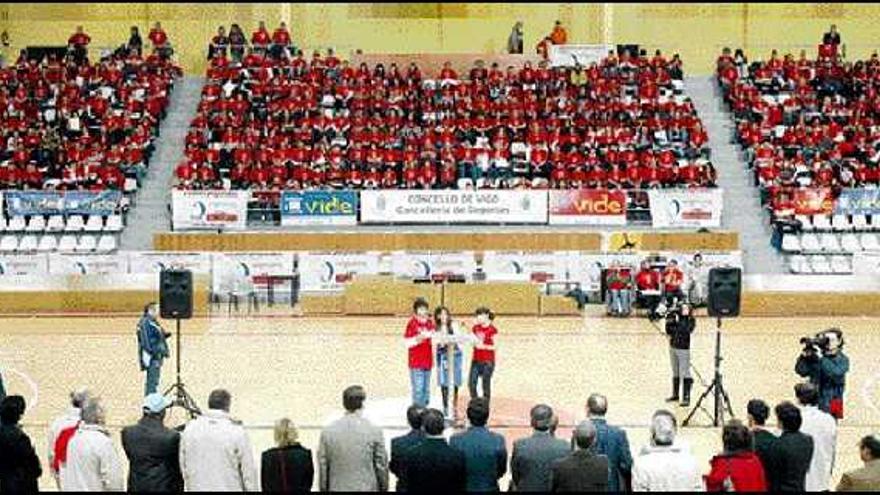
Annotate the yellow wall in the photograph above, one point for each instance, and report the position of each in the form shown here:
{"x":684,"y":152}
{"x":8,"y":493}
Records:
{"x":697,"y":31}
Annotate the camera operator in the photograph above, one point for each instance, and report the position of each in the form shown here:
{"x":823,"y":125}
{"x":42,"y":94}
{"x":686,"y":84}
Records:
{"x":828,"y":371}
{"x":680,"y":323}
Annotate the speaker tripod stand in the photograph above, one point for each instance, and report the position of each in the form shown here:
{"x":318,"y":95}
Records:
{"x":177,"y":391}
{"x":716,"y":388}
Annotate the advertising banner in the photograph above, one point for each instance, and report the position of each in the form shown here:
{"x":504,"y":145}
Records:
{"x":858,"y":202}
{"x":322,"y":271}
{"x":453,"y":206}
{"x":519,"y":265}
{"x":87,"y":264}
{"x":155,"y":262}
{"x":102,"y":203}
{"x":24,"y":264}
{"x":685,"y":208}
{"x":814,"y":201}
{"x":319,"y":208}
{"x":63,"y":203}
{"x":423,"y":264}
{"x":572,"y":55}
{"x":213,"y":210}
{"x":587,"y":207}
{"x":233,"y":270}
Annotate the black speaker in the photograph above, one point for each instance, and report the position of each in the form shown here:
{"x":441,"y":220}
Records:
{"x":175,"y":294}
{"x":725,"y":286}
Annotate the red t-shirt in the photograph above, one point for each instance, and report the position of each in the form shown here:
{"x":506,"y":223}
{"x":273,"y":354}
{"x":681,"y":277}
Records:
{"x":420,"y":356}
{"x":486,"y":336}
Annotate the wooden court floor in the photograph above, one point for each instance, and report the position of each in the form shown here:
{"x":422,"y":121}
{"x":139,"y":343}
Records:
{"x":297,"y":367}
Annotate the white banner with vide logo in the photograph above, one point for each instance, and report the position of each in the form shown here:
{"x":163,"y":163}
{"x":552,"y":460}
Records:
{"x":211,"y":210}
{"x":327,"y":271}
{"x":88,"y":264}
{"x":451,"y":206}
{"x":686,"y":207}
{"x":156,"y":261}
{"x":423,"y":264}
{"x":520,"y":265}
{"x":236,"y":270}
{"x":572,"y":55}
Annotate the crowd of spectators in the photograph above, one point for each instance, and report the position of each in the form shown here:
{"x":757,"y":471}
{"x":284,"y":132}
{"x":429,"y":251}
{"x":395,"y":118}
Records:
{"x":274,"y":119}
{"x":70,"y":123}
{"x":213,"y":452}
{"x":805,"y":122}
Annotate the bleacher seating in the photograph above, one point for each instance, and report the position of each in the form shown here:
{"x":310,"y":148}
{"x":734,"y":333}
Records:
{"x":809,"y":124}
{"x":270,"y":123}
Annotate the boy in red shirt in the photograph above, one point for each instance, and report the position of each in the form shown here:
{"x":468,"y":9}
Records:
{"x":418,"y":335}
{"x":483,"y":363}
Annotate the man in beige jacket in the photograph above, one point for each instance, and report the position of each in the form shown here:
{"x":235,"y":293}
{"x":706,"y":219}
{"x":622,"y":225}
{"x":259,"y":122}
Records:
{"x":215,"y":451}
{"x":866,"y":479}
{"x":93,"y":465}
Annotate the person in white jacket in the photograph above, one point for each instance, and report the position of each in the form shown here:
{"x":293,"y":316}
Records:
{"x":215,"y":451}
{"x":69,"y":419}
{"x":822,"y":427}
{"x":664,"y":465}
{"x":93,"y":465}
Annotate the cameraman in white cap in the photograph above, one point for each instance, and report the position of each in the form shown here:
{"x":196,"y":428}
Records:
{"x":152,"y":450}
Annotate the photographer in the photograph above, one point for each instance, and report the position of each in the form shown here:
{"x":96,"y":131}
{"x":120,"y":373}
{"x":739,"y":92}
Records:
{"x":680,"y":323}
{"x":827,"y":372}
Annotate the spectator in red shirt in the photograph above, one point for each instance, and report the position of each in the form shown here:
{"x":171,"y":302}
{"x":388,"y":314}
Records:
{"x":261,"y":38}
{"x":418,"y":335}
{"x":280,"y":41}
{"x":79,"y":38}
{"x":559,"y":36}
{"x":483,"y":363}
{"x":738,"y":464}
{"x":673,"y":278}
{"x":648,"y":287}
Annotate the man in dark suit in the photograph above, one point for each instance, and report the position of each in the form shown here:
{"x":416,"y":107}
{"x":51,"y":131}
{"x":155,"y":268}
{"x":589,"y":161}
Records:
{"x":485,"y":454}
{"x":434,"y":466}
{"x":832,"y":37}
{"x":533,"y":456}
{"x":611,"y":442}
{"x":758,"y":412}
{"x":790,"y":455}
{"x":582,"y":470}
{"x":152,"y":450}
{"x":402,"y":445}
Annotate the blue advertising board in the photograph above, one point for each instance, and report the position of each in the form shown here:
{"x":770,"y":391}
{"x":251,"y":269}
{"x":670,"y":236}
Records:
{"x":319,"y":208}
{"x":858,"y":202}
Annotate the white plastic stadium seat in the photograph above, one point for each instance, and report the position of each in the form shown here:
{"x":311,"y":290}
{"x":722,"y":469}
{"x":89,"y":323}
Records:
{"x":16,"y":224}
{"x":822,"y":222}
{"x":47,"y":244}
{"x":798,"y":264}
{"x":850,"y":242}
{"x":87,"y":243}
{"x":2,"y":223}
{"x":841,"y":264}
{"x":860,"y":223}
{"x":95,"y":223}
{"x":8,"y":244}
{"x":55,"y":224}
{"x":810,"y":243}
{"x":114,"y":224}
{"x":106,"y":244}
{"x":37,"y":224}
{"x":28,"y":244}
{"x":806,"y":222}
{"x":74,"y":223}
{"x":67,"y":244}
{"x":869,"y":242}
{"x":830,"y":244}
{"x":840,"y":223}
{"x":791,"y":243}
{"x":820,"y":264}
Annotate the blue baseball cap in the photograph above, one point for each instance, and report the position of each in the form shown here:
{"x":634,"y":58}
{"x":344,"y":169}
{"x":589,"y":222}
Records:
{"x":156,"y":403}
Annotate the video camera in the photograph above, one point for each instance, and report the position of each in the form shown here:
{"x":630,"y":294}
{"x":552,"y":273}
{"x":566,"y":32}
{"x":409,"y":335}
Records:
{"x":815,"y":344}
{"x":664,"y":311}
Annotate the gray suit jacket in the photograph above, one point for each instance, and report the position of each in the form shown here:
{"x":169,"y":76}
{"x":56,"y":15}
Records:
{"x":532,"y":461}
{"x":352,"y":457}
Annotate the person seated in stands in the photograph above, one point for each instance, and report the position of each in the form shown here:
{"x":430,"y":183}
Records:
{"x":280,"y":41}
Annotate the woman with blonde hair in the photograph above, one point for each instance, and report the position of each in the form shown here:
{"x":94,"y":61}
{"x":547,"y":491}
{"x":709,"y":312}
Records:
{"x":288,"y":467}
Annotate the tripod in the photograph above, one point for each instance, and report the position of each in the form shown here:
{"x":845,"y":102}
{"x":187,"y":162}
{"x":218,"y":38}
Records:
{"x":179,"y":396}
{"x":716,"y":388}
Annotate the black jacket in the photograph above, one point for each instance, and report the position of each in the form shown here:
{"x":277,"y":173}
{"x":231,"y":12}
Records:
{"x":581,"y":471}
{"x":400,"y":449}
{"x":679,"y":330}
{"x":287,"y":467}
{"x":788,"y":462}
{"x":434,"y":466}
{"x":19,"y":464}
{"x":764,"y":441}
{"x":152,"y":451}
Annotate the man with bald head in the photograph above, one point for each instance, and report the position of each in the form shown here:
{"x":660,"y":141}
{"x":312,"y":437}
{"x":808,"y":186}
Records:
{"x":533,"y":456}
{"x":611,"y":442}
{"x":582,"y":470}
